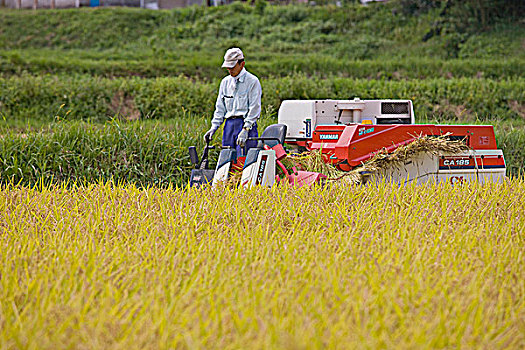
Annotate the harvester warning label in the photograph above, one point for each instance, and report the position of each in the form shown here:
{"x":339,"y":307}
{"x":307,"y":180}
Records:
{"x":308,"y":123}
{"x":260,"y":171}
{"x":484,"y":141}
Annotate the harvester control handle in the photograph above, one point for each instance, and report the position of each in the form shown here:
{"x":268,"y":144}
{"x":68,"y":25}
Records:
{"x":265,"y":139}
{"x":204,"y":160}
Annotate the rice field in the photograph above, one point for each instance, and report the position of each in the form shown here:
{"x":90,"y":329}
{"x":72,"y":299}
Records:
{"x":119,"y":267}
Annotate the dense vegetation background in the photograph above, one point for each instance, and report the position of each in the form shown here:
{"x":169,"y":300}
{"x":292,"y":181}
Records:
{"x":95,"y":93}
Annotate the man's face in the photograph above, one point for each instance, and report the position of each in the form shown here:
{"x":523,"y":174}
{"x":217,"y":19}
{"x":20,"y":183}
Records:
{"x":235,"y":70}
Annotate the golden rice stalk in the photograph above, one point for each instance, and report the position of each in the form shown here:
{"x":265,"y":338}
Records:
{"x":234,"y":179}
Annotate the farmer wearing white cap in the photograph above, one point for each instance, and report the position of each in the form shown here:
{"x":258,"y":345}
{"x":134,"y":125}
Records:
{"x":239,"y":102}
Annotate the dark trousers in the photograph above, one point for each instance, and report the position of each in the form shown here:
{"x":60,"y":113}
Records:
{"x":232,"y":128}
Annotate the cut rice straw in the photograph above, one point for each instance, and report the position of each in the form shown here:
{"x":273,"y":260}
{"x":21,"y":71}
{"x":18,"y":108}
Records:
{"x":382,"y":160}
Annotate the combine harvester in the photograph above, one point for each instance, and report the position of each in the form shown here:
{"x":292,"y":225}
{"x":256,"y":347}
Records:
{"x":348,"y":134}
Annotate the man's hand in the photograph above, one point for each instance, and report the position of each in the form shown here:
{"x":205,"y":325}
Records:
{"x":209,"y":134}
{"x":243,"y":136}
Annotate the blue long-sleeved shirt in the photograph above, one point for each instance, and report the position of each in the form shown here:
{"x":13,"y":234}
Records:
{"x":238,"y":96}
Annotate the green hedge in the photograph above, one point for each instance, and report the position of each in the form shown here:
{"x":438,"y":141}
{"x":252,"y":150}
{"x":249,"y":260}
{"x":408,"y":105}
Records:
{"x":206,"y":67}
{"x":84,"y":97}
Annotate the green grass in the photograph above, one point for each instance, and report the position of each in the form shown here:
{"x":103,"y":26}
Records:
{"x":143,"y":153}
{"x":206,"y":66}
{"x":353,"y":31}
{"x":106,"y":266}
{"x":279,"y":39}
{"x":38,"y":98}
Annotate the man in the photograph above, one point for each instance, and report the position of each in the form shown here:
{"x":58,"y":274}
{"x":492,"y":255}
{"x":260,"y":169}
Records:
{"x":239,"y":102}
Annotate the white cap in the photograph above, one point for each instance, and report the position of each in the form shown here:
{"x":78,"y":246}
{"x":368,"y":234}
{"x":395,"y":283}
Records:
{"x":231,"y":57}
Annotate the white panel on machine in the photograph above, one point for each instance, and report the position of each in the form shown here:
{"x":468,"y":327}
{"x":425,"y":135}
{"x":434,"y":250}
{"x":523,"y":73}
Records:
{"x":261,"y":172}
{"x":491,"y":166}
{"x":469,"y":166}
{"x":298,"y":116}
